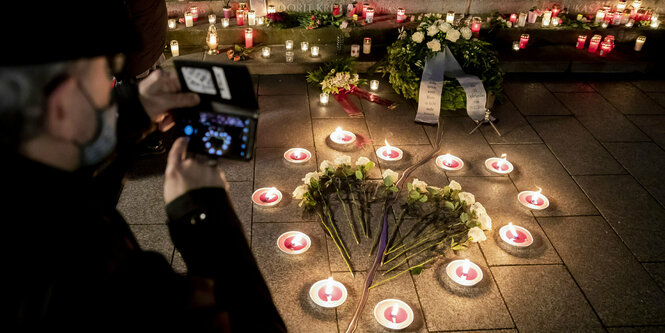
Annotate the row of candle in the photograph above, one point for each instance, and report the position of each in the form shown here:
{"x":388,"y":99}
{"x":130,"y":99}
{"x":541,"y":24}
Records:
{"x":605,"y":47}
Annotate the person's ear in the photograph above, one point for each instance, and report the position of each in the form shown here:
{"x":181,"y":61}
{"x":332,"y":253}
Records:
{"x":60,"y":118}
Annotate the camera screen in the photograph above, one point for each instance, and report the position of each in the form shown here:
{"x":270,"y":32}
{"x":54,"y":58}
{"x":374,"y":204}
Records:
{"x":218,"y":134}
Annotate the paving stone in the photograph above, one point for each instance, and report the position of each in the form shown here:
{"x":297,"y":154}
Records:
{"x":657,"y":272}
{"x":448,"y":306}
{"x":575,"y":147}
{"x":535,"y":166}
{"x":635,"y":216}
{"x":627,"y":98}
{"x":401,"y":288}
{"x":653,"y":126}
{"x":658,"y":97}
{"x":618,"y":287}
{"x":484,"y":331}
{"x":567,"y":86}
{"x":333,"y":109}
{"x":272,"y":170}
{"x":646,"y":329}
{"x":512,"y":126}
{"x":241,"y":198}
{"x":497,"y":195}
{"x":650,"y":85}
{"x":396,"y":125}
{"x":473,"y":149}
{"x":142,"y":200}
{"x":289,"y":277}
{"x":237,"y":170}
{"x":154,"y":238}
{"x":284,"y":122}
{"x":280,"y":85}
{"x":545,"y":299}
{"x":532,"y":98}
{"x":600,"y":117}
{"x":645,"y":161}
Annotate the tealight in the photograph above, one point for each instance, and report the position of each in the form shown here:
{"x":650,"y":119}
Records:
{"x":288,"y":44}
{"x":225,"y":22}
{"x":260,"y":20}
{"x":328,"y":293}
{"x":304,"y":46}
{"x":265,"y":52}
{"x":297,"y":155}
{"x":271,"y":9}
{"x":393,"y":314}
{"x":355,"y":50}
{"x":212,"y":18}
{"x":449,"y":162}
{"x":516,"y":45}
{"x":515,"y":235}
{"x":499,"y":165}
{"x":367,"y":45}
{"x":249,"y":38}
{"x":389,"y":153}
{"x":294,"y":242}
{"x":172,"y":23}
{"x":189,"y":21}
{"x":374,"y":85}
{"x":533,"y":199}
{"x":323,"y":98}
{"x":639,"y":43}
{"x":342,"y":137}
{"x":450,"y":17}
{"x":251,"y":17}
{"x":464,"y":272}
{"x":289,"y":56}
{"x":314,"y":51}
{"x":175,"y":49}
{"x":267,"y":196}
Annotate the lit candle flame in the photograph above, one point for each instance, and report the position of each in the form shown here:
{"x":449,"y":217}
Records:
{"x":339,"y":133}
{"x":389,"y":151}
{"x":394,"y":312}
{"x":535,"y":196}
{"x":448,"y":160}
{"x":271,"y":194}
{"x":329,"y":289}
{"x":296,"y":241}
{"x":513,"y":232}
{"x":502,"y":161}
{"x":297,"y":154}
{"x":465,"y":268}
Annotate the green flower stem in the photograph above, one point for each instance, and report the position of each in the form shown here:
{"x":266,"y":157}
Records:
{"x":400,"y":219}
{"x":401,"y":240}
{"x":332,"y":224}
{"x":422,"y":241}
{"x":366,"y":210}
{"x":411,"y":256}
{"x":346,"y":260}
{"x":356,"y":208}
{"x":378,"y":231}
{"x":404,"y":271}
{"x":346,"y":213}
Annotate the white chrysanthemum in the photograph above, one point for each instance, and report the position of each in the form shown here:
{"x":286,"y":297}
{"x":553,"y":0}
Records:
{"x":477,"y":235}
{"x":300,"y":191}
{"x":467,"y":197}
{"x":325,"y":165}
{"x":478,"y":209}
{"x":466,"y":32}
{"x":432,"y":30}
{"x":434,"y":45}
{"x":418,"y":37}
{"x":445,"y":27}
{"x":485,"y":222}
{"x":452,"y":35}
{"x":311,"y":175}
{"x":420,"y":185}
{"x":390,"y":174}
{"x":455,"y":185}
{"x":362,"y":161}
{"x":345,"y":159}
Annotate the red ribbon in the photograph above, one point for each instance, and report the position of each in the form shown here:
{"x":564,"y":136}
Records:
{"x":352,"y":110}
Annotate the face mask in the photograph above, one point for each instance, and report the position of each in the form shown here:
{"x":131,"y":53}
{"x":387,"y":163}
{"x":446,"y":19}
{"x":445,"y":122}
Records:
{"x":105,"y":139}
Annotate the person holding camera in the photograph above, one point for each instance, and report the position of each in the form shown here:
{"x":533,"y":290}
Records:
{"x":70,"y":259}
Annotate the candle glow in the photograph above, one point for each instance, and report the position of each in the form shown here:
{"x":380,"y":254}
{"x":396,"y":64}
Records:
{"x":175,"y":49}
{"x":450,"y":17}
{"x":374,"y":85}
{"x":355,"y":50}
{"x":401,"y":15}
{"x":367,"y":45}
{"x":639,"y":43}
{"x":524,"y":39}
{"x":266,"y":52}
{"x":315,"y":51}
{"x":189,"y":21}
{"x":249,"y":37}
{"x":304,"y":46}
{"x":212,"y":18}
{"x":172,"y":23}
{"x":323,"y":99}
{"x":225,"y":22}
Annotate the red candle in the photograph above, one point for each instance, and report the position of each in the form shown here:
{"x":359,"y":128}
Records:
{"x":617,"y":18}
{"x":524,"y":39}
{"x":594,"y":43}
{"x":249,"y":38}
{"x":555,"y":10}
{"x":513,"y":18}
{"x":581,"y":40}
{"x":240,"y":17}
{"x":475,"y":25}
{"x":401,"y":15}
{"x":365,"y":6}
{"x":605,"y":48}
{"x":335,"y":9}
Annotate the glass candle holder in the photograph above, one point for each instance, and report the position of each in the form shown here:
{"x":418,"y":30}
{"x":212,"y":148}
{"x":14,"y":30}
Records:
{"x":367,"y":45}
{"x":335,"y":9}
{"x":521,"y":21}
{"x":365,"y":7}
{"x":271,"y":9}
{"x":600,"y":16}
{"x":524,"y":39}
{"x":476,"y":23}
{"x":621,"y":5}
{"x":314,"y":51}
{"x":581,"y":41}
{"x":401,"y":15}
{"x":374,"y":85}
{"x":547,"y":18}
{"x":605,"y":48}
{"x":175,"y":49}
{"x":323,"y":98}
{"x":189,"y":21}
{"x":450,"y":17}
{"x":604,"y":24}
{"x":594,"y":43}
{"x":289,"y":56}
{"x":260,"y":20}
{"x":513,"y":18}
{"x":265,"y":52}
{"x":211,"y":40}
{"x":304,"y":46}
{"x":630,"y":23}
{"x":195,"y":13}
{"x":172,"y":23}
{"x":249,"y":37}
{"x":225,"y":22}
{"x":639,"y":43}
{"x":288,"y":44}
{"x":212,"y":18}
{"x":355,"y":50}
{"x":516,"y":45}
{"x":251,"y":17}
{"x":240,"y":17}
{"x":369,"y":15}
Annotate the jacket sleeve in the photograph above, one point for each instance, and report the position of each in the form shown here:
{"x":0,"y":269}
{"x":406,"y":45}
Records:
{"x":207,"y":232}
{"x":133,"y":122}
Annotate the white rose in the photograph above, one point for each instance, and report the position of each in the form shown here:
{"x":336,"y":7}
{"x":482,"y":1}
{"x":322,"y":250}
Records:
{"x":485,"y":221}
{"x":345,"y":159}
{"x":325,"y":165}
{"x":467,"y":197}
{"x":438,"y":15}
{"x":477,"y":235}
{"x":434,"y":45}
{"x":432,"y":30}
{"x":420,"y":185}
{"x":428,"y":14}
{"x":445,"y":27}
{"x":390,"y":174}
{"x":466,"y":32}
{"x":300,"y":191}
{"x":362,"y":161}
{"x":478,"y":209}
{"x":418,"y":37}
{"x":452,"y":35}
{"x":311,"y":175}
{"x":455,"y":185}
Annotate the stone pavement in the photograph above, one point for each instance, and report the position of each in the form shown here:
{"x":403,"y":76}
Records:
{"x":597,"y":148}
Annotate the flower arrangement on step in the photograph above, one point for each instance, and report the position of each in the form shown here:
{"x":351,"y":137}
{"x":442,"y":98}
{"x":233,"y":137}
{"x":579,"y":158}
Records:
{"x":406,"y":59}
{"x":307,"y":20}
{"x":238,"y":53}
{"x":447,"y":218}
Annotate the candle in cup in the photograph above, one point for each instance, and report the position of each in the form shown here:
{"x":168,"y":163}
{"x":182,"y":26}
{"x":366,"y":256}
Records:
{"x":516,"y":45}
{"x":328,"y":293}
{"x":464,"y":272}
{"x":323,"y":98}
{"x":189,"y":21}
{"x":401,"y":15}
{"x":212,"y":18}
{"x":499,"y":165}
{"x":365,"y":8}
{"x":374,"y":85}
{"x":211,"y":40}
{"x":267,"y":196}
{"x":555,"y":10}
{"x":225,"y":22}
{"x":297,"y":155}
{"x":172,"y":23}
{"x":240,"y":17}
{"x":639,"y":43}
{"x":475,"y":25}
{"x":555,"y":21}
{"x":449,"y":162}
{"x":513,"y":18}
{"x":605,"y":48}
{"x":249,"y":37}
{"x":393,"y":314}
{"x":533,"y":199}
{"x":581,"y":40}
{"x":389,"y":153}
{"x":355,"y":50}
{"x":251,"y":17}
{"x":524,"y":39}
{"x":621,"y":6}
{"x":335,"y":9}
{"x":289,"y":56}
{"x":195,"y":13}
{"x":342,"y":137}
{"x":655,"y":24}
{"x":314,"y":51}
{"x":521,"y":21}
{"x":260,"y":20}
{"x":600,"y":16}
{"x":271,"y":9}
{"x":367,"y":45}
{"x":288,"y":44}
{"x":175,"y":49}
{"x":265,"y":52}
{"x":630,"y":23}
{"x":547,"y":18}
{"x":369,"y":15}
{"x":450,"y":17}
{"x":515,"y":235}
{"x":304,"y":46}
{"x":594,"y":43}
{"x":294,"y":242}
{"x":604,"y":25}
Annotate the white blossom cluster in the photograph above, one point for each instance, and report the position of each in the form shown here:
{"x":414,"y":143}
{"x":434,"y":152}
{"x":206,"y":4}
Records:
{"x":334,"y":81}
{"x":431,"y":28}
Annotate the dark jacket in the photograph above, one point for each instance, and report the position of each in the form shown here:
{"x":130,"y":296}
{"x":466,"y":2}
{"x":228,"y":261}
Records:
{"x":70,"y":260}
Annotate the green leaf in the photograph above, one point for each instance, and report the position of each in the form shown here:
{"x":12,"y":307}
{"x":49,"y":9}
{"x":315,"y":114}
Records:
{"x":388,"y":181}
{"x":314,"y":183}
{"x":359,"y":174}
{"x":409,"y":187}
{"x":414,"y":195}
{"x":417,"y":270}
{"x":449,"y":205}
{"x":369,"y":166}
{"x":464,"y":217}
{"x":423,"y":198}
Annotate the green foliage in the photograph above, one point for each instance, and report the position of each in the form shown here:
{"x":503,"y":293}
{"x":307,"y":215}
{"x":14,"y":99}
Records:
{"x":340,"y":64}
